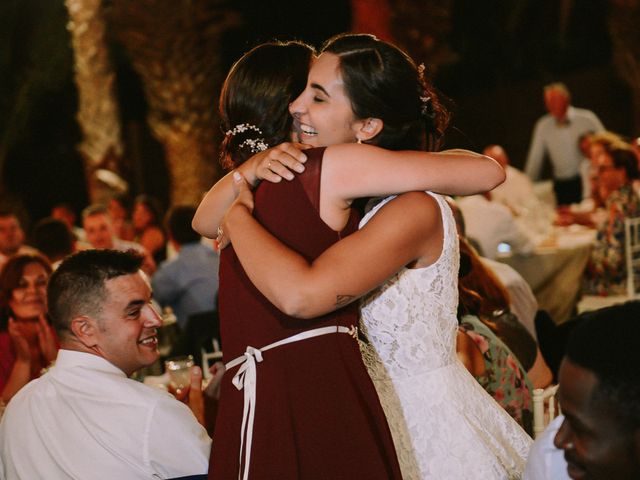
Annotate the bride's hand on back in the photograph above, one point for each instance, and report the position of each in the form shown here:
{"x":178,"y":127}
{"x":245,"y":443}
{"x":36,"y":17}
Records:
{"x":275,"y":163}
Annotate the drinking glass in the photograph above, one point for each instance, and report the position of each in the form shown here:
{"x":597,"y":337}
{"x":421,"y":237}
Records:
{"x":179,"y":369}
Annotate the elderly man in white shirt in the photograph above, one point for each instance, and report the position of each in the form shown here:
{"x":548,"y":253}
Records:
{"x":558,"y":135}
{"x":85,"y":418}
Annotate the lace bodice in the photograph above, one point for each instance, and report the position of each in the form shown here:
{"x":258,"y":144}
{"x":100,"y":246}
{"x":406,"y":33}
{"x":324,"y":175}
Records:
{"x":411,"y":320}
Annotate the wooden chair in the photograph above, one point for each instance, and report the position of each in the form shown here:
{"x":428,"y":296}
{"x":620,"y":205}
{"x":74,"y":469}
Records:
{"x":544,"y":408}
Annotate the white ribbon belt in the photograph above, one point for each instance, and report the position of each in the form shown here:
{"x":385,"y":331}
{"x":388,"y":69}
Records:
{"x":246,"y":377}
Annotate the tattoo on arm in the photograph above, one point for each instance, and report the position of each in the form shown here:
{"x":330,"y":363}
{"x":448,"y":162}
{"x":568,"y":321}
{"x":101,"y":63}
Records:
{"x":342,"y":300}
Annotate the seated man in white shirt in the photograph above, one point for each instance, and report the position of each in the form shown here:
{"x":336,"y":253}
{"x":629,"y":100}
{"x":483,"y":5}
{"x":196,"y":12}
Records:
{"x":491,"y":223}
{"x":85,"y":418}
{"x":516,"y":192}
{"x":599,"y":392}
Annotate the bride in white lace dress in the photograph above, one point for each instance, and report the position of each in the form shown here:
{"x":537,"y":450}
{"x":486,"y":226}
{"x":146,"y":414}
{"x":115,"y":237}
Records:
{"x":444,"y":424}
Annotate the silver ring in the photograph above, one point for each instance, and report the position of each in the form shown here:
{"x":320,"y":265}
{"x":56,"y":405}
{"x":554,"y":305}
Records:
{"x":220,"y":232}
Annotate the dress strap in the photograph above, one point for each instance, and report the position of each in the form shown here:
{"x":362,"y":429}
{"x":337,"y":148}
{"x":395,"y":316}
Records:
{"x":246,"y":378}
{"x":310,"y":179}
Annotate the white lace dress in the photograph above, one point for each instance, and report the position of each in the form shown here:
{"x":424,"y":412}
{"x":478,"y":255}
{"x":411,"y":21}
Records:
{"x":444,"y":424}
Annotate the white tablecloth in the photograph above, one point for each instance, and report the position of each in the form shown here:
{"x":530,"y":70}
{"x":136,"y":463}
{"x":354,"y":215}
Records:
{"x":555,"y":269}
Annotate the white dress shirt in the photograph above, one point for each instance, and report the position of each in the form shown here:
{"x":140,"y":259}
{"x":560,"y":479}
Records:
{"x":560,"y":142}
{"x":546,"y":462}
{"x":490,"y":223}
{"x":85,"y":419}
{"x":516,"y":191}
{"x":523,"y":302}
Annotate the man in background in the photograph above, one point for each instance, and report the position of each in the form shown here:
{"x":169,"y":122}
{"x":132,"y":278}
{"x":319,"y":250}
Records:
{"x":188,"y":282}
{"x":557,"y":134}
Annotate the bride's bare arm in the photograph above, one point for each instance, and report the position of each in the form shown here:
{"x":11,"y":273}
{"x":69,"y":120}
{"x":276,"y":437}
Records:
{"x":355,"y":171}
{"x":407,"y":228}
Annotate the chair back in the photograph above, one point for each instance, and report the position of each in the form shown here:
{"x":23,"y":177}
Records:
{"x":209,"y":358}
{"x":544,"y":408}
{"x":632,"y":253}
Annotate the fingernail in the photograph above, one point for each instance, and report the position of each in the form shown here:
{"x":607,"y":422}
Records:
{"x":304,"y":158}
{"x":237,"y":177}
{"x":299,"y":168}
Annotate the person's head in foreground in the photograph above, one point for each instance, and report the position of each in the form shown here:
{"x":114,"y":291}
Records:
{"x":362,"y":89}
{"x":100,"y":303}
{"x":599,"y":394}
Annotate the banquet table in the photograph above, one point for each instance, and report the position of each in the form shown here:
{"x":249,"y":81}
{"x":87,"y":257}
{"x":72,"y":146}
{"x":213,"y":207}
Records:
{"x":555,"y":268}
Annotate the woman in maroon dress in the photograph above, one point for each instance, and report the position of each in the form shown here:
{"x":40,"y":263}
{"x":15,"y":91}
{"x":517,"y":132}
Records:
{"x":296,"y":400}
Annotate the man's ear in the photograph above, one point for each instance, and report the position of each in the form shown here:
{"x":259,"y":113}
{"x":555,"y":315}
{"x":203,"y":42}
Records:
{"x":369,"y":128}
{"x":85,"y":329}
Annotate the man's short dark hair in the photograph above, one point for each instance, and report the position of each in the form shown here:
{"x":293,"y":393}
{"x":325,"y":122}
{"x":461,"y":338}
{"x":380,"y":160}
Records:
{"x":78,"y":287}
{"x":605,"y":343}
{"x":178,"y":223}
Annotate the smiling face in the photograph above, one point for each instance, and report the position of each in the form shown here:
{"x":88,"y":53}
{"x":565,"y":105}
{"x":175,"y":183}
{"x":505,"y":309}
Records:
{"x":29,"y":297}
{"x":322,"y":113}
{"x":595,"y":445}
{"x":126,"y":333}
{"x":98,"y":230}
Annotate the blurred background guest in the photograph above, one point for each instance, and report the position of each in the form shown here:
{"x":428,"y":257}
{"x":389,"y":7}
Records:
{"x":65,"y":212}
{"x":491,"y":223}
{"x":494,"y":311}
{"x":188,"y":283}
{"x":617,"y":168}
{"x":99,"y":231}
{"x":119,"y":207}
{"x":53,"y":238}
{"x":146,"y":224}
{"x":12,"y":237}
{"x":556,"y":134}
{"x":27,"y":342}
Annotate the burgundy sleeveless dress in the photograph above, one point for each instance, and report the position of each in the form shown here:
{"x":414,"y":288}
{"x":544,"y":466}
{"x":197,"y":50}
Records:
{"x":317,"y":414}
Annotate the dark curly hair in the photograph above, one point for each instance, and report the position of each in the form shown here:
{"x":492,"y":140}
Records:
{"x":257,"y":91}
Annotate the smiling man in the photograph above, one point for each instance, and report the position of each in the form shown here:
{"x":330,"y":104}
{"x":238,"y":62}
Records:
{"x":599,"y":394}
{"x":85,"y":418}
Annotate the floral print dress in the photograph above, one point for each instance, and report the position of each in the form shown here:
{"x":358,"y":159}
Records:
{"x":504,"y":377}
{"x":606,"y":272}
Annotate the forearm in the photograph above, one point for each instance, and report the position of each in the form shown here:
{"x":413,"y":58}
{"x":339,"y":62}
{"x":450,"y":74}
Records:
{"x":213,"y":207}
{"x":462,"y":172}
{"x":356,"y":171}
{"x":282,"y":276}
{"x":19,"y":377}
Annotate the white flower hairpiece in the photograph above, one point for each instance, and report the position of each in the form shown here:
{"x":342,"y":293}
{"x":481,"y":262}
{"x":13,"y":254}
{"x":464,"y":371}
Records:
{"x":243,"y":127}
{"x":255,"y":144}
